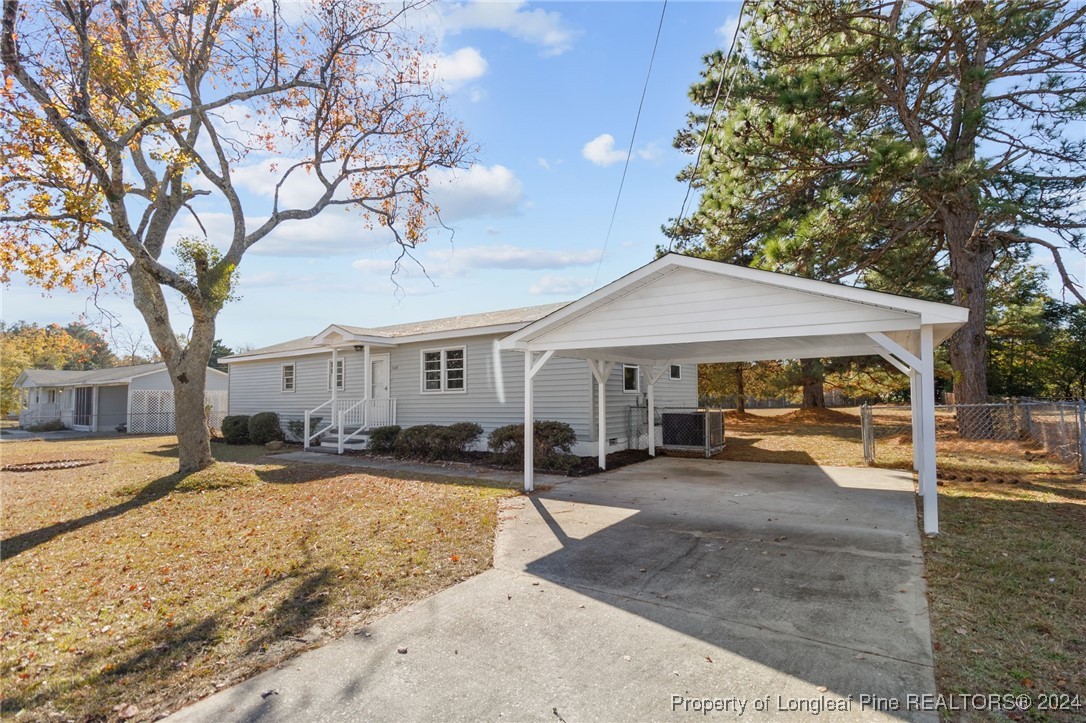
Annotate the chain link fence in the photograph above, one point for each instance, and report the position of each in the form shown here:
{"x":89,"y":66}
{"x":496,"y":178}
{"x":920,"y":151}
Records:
{"x":677,"y":428}
{"x":1055,"y":429}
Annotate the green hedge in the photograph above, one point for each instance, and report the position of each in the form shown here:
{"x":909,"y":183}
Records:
{"x":383,"y":439}
{"x":553,"y":444}
{"x":432,"y":441}
{"x":264,"y":427}
{"x":235,"y":429}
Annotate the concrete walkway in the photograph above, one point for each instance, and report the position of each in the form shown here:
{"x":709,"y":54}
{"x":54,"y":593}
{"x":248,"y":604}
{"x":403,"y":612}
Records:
{"x":772,"y":591}
{"x":441,"y":469}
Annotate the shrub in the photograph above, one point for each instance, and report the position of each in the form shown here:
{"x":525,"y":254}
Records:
{"x":418,"y":442}
{"x":235,"y":429}
{"x":461,"y":436}
{"x":383,"y":439}
{"x":432,"y":441}
{"x":296,"y":427}
{"x":52,"y":426}
{"x":553,"y":443}
{"x":264,"y":427}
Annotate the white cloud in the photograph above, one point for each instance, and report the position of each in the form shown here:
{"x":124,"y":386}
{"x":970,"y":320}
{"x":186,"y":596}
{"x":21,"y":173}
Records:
{"x":560,"y":285}
{"x":650,"y":152}
{"x":506,"y":256}
{"x":476,"y":191}
{"x":459,"y":68}
{"x":544,"y":163}
{"x":476,"y":94}
{"x":539,"y":27}
{"x":601,"y":150}
{"x":727,"y":30}
{"x":442,"y":262}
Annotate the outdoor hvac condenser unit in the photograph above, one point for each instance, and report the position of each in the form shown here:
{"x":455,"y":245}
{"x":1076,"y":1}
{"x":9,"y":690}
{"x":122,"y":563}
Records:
{"x":702,"y":429}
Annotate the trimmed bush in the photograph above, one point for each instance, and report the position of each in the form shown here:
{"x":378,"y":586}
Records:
{"x":264,"y":427}
{"x":296,"y":427}
{"x":235,"y":429}
{"x":461,"y":437}
{"x":383,"y":439}
{"x":430,"y":442}
{"x":418,"y":442}
{"x":553,"y":444}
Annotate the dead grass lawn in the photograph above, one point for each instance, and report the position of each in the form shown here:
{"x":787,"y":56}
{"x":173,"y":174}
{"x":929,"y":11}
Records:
{"x":128,"y":585}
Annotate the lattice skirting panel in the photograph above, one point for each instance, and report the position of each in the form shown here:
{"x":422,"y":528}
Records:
{"x":151,"y":411}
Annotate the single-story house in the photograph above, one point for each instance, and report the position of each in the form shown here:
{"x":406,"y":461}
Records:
{"x":637,"y":340}
{"x":138,"y":398}
{"x":440,"y":371}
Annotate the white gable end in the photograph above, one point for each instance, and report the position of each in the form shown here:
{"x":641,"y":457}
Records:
{"x":687,"y":305}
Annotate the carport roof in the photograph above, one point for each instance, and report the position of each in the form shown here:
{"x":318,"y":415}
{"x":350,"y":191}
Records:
{"x":681,"y":309}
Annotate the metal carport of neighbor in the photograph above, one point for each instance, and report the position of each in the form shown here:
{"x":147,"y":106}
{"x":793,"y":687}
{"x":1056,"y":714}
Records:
{"x":684,"y":310}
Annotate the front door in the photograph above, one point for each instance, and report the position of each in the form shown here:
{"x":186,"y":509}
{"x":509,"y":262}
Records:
{"x":379,"y":377}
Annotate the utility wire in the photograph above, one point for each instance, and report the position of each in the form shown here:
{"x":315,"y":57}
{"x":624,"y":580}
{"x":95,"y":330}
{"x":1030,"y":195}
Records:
{"x":709,"y":121}
{"x":629,"y":151}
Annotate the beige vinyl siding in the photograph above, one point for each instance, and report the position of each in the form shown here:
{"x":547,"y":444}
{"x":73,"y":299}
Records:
{"x":112,"y":407}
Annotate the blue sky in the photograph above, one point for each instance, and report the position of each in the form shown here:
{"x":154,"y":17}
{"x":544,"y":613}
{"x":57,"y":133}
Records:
{"x":549,"y":92}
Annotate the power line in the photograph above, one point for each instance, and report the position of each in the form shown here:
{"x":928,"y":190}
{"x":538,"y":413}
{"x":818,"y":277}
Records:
{"x":712,"y":112}
{"x":629,"y":151}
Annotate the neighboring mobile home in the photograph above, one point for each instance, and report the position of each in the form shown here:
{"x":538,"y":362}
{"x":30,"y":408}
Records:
{"x":436,"y":372}
{"x":136,"y":398}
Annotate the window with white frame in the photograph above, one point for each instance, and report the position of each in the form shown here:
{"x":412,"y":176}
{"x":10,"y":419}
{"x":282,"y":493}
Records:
{"x":339,"y":375}
{"x":631,"y":379}
{"x":288,"y":377}
{"x":676,"y":371}
{"x":444,"y":370}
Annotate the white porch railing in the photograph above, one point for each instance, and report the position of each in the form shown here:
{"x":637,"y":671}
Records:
{"x":307,"y":437}
{"x":40,"y":414}
{"x":358,"y":415}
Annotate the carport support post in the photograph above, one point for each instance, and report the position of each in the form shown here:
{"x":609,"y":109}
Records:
{"x":601,"y":370}
{"x":914,"y":415}
{"x":531,"y":368}
{"x":653,"y":376}
{"x":926,"y":472}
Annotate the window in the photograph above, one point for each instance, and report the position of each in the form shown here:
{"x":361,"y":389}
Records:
{"x":340,"y":377}
{"x":444,"y":370}
{"x":631,"y":379}
{"x":676,"y":371}
{"x":52,"y":396}
{"x":288,"y":377}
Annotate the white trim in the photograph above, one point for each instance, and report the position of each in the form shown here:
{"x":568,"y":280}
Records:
{"x":283,"y":378}
{"x":341,"y":372}
{"x":637,"y":378}
{"x":671,"y":372}
{"x":443,"y":352}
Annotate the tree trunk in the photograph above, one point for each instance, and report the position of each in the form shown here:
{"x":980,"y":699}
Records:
{"x":811,"y":378}
{"x":971,"y":258}
{"x":740,"y":390}
{"x":187,"y":366}
{"x":193,"y":439}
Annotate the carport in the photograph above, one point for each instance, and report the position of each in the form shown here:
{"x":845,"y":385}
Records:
{"x":684,"y":310}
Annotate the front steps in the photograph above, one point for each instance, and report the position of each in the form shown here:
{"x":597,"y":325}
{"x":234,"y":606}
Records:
{"x":330,"y":441}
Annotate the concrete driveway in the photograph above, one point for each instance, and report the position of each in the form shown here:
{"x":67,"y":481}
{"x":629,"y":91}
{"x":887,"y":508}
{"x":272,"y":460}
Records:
{"x":649,"y":593}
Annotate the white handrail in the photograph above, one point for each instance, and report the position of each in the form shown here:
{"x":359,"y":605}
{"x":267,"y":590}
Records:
{"x":342,"y":416}
{"x":310,"y":437}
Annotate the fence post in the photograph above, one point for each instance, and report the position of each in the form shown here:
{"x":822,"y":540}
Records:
{"x":1082,"y":436}
{"x":867,"y":434}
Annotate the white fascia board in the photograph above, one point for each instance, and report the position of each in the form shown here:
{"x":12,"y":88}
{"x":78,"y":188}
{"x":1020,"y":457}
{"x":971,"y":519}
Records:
{"x":857,"y":327}
{"x":931,"y":312}
{"x":571,"y":311}
{"x":276,"y":355}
